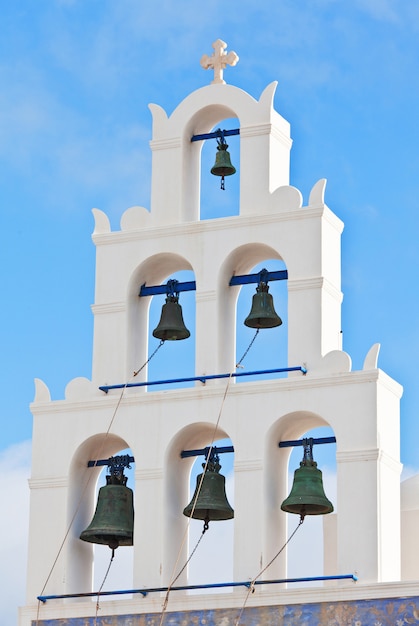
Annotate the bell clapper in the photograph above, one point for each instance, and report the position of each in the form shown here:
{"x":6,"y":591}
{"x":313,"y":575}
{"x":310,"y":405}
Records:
{"x":206,"y":524}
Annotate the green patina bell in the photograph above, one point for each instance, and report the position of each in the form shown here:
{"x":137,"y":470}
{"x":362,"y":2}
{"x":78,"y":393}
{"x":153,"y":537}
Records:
{"x":171,"y":326}
{"x":262,"y":314}
{"x":113,"y":522}
{"x":307,"y":495}
{"x":222,"y":166}
{"x":209,"y":501}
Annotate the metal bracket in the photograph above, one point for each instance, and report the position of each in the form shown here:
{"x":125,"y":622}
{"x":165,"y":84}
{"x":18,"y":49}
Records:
{"x":114,"y":462}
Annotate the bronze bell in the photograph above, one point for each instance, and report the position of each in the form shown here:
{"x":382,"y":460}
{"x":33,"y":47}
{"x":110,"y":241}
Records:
{"x":307,"y":495}
{"x":113,"y":521}
{"x":171,"y":325}
{"x":262,"y":314}
{"x":210,"y":500}
{"x":222,"y":166}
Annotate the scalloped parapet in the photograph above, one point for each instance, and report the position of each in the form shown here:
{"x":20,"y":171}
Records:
{"x":80,"y":389}
{"x":286,"y":198}
{"x":42,"y":393}
{"x":371,"y":360}
{"x":102,"y":224}
{"x":135,"y":218}
{"x":317,"y":192}
{"x":334,"y":362}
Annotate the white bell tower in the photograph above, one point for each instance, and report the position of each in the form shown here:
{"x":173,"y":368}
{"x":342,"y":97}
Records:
{"x":100,"y":417}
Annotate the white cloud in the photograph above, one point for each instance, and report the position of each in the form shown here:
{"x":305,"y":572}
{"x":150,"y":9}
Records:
{"x":408,"y":472}
{"x":14,"y":522}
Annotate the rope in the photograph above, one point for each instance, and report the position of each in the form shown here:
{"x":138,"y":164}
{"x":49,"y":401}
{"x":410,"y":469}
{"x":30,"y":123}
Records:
{"x":90,"y":476}
{"x":251,"y":588}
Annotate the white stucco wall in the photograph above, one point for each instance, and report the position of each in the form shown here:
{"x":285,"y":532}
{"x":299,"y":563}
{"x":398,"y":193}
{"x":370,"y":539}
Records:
{"x":362,"y":407}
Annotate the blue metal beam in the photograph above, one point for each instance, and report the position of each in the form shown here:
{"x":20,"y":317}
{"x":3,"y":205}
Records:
{"x":204,"y":451}
{"x":246,"y":583}
{"x":158,"y":289}
{"x":255,"y":278}
{"x":300,"y":442}
{"x":214,"y":135}
{"x":243,"y":279}
{"x":203,"y":378}
{"x":225,"y":449}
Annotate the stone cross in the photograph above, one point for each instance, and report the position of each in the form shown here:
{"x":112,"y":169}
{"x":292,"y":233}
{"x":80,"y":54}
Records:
{"x":219,"y":60}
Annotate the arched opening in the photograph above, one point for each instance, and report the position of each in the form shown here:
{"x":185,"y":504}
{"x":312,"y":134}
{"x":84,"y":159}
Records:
{"x":235,"y":303}
{"x":306,"y":552}
{"x":175,"y":359}
{"x":304,"y":555}
{"x":269,"y":349}
{"x":216,"y":202}
{"x":83,"y":558}
{"x":120,"y":574}
{"x":214,"y":554}
{"x":214,"y":559}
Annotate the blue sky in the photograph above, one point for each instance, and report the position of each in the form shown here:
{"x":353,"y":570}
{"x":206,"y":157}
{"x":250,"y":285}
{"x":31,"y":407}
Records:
{"x":76,"y":78}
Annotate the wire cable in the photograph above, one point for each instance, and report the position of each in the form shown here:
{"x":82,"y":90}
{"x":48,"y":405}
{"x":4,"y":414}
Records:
{"x":101,"y":586}
{"x":251,"y":588}
{"x":238,"y":364}
{"x":204,"y":530}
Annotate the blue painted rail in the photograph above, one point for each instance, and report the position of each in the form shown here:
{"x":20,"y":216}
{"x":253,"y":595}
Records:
{"x":247,"y":583}
{"x":203,"y":378}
